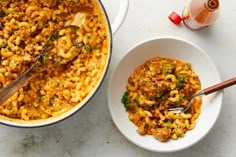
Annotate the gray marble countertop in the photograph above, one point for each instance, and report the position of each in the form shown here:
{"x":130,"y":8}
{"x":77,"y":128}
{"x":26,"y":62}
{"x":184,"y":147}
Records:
{"x":92,"y":133}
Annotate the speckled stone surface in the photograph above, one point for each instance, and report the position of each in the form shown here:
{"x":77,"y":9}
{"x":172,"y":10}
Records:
{"x":92,"y":133}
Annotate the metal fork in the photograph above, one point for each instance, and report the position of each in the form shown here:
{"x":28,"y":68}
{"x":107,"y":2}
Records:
{"x":205,"y":91}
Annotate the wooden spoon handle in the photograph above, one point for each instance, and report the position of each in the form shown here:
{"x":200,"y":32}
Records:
{"x":220,"y":86}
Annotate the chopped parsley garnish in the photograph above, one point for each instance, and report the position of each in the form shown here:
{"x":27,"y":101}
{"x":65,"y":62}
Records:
{"x":169,"y":124}
{"x":88,"y":48}
{"x":8,"y":47}
{"x":180,"y":100}
{"x":167,"y":67}
{"x":137,"y":101}
{"x":52,"y":99}
{"x":45,"y":59}
{"x":181,"y":79}
{"x":125,"y":100}
{"x":159,"y":88}
{"x":163,"y":98}
{"x":96,"y":48}
{"x":3,"y":13}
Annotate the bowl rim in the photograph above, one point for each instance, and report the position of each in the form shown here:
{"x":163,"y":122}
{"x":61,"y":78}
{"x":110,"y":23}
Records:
{"x":144,"y":41}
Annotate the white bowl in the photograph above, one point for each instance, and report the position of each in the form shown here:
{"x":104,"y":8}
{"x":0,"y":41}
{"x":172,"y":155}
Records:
{"x":174,"y":48}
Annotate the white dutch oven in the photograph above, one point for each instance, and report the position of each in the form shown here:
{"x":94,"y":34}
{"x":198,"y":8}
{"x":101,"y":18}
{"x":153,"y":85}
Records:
{"x":112,"y":30}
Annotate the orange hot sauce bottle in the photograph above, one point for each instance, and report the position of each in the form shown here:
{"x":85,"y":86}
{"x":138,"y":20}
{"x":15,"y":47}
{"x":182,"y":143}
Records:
{"x":200,"y":14}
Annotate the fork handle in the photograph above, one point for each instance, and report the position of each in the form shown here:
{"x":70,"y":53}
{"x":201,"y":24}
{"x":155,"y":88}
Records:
{"x":220,"y":86}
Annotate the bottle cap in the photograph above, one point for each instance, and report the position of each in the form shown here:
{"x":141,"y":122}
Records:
{"x":213,"y":4}
{"x":175,"y":18}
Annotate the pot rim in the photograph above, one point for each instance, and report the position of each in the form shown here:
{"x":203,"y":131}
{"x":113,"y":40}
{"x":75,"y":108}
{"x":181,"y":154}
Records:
{"x":18,"y":123}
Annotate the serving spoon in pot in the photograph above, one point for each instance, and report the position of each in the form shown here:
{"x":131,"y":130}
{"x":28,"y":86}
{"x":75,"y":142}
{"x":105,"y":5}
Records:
{"x":205,"y":91}
{"x":60,"y":48}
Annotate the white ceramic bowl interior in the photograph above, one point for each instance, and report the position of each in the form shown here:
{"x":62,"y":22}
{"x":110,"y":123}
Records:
{"x":168,"y":47}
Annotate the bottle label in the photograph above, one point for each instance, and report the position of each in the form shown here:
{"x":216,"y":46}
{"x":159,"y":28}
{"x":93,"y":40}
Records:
{"x":188,"y":23}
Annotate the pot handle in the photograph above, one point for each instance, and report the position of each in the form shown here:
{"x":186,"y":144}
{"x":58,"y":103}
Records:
{"x":124,"y":5}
